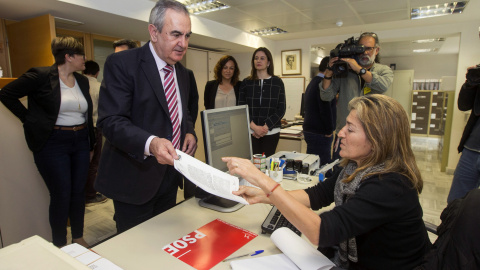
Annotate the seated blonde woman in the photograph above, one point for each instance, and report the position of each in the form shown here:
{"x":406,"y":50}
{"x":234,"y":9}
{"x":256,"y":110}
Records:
{"x":377,"y":219}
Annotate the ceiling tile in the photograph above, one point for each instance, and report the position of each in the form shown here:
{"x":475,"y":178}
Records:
{"x":386,"y":17}
{"x":338,"y":11}
{"x":249,"y":25}
{"x":374,"y":6}
{"x":267,"y":8}
{"x":282,"y":20}
{"x":228,"y":15}
{"x":309,"y":26}
{"x":310,"y":4}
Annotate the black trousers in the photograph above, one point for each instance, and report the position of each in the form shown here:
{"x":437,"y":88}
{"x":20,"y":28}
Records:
{"x":266,"y":144}
{"x":63,"y":163}
{"x":130,"y":215}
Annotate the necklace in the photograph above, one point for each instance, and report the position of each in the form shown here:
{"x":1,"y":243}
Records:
{"x":76,"y":97}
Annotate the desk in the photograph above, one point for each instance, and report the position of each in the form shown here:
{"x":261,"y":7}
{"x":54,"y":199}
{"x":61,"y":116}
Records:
{"x":142,"y":246}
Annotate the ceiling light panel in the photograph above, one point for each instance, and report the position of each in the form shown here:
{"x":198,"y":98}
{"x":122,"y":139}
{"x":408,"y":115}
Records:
{"x":438,"y":10}
{"x":198,"y":7}
{"x":425,"y":50}
{"x":429,"y":40}
{"x":268,"y":31}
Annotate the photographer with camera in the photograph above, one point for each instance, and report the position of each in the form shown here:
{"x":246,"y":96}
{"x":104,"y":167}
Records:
{"x":353,"y":71}
{"x":467,"y":173}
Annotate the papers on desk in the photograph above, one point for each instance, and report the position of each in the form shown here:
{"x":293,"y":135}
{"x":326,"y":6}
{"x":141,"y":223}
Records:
{"x":295,"y":131}
{"x":208,"y":178}
{"x":297,"y":254}
{"x":210,"y":244}
{"x":89,"y":258}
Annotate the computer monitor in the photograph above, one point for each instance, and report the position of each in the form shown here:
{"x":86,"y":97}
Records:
{"x":226,"y":132}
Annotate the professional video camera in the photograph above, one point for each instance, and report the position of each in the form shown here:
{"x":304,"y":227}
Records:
{"x":473,"y":75}
{"x":349,"y":49}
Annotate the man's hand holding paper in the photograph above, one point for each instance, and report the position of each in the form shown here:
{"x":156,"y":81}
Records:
{"x":208,"y":178}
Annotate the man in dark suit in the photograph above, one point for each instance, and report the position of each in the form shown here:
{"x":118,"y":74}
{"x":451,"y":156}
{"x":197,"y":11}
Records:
{"x":141,"y":125}
{"x":320,"y":117}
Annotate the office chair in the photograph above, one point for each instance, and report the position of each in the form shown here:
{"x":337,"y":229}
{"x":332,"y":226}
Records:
{"x":431,"y":227}
{"x":458,"y":242}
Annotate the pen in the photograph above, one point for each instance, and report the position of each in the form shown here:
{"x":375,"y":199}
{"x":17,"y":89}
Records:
{"x":244,"y":255}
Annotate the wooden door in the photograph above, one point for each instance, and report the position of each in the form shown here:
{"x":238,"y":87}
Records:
{"x":30,"y":43}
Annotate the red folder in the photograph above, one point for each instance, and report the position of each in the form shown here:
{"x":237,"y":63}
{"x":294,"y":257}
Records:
{"x":210,"y":244}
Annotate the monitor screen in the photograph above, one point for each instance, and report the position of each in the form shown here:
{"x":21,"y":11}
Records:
{"x":226,"y":132}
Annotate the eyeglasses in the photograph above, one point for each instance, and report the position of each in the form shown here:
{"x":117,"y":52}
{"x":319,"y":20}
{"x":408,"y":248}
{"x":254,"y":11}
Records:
{"x":81,"y":55}
{"x":369,"y":49}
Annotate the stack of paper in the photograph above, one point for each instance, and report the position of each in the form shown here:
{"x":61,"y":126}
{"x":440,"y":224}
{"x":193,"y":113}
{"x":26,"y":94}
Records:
{"x":295,"y":131}
{"x":89,"y":258}
{"x":297,"y":254}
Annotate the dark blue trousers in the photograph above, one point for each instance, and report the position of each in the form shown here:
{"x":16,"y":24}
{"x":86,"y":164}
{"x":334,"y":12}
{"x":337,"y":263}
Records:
{"x":63,"y":163}
{"x":319,"y":144}
{"x":130,"y":215}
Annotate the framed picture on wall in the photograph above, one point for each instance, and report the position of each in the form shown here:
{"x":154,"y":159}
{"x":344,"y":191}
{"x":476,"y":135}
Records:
{"x":292,"y":62}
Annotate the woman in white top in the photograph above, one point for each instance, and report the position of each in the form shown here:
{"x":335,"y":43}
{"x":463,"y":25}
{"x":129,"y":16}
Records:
{"x":59,"y":130}
{"x":223,"y":91}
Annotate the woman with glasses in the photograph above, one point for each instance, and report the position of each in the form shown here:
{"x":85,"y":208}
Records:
{"x":223,"y":91}
{"x":264,"y":93}
{"x":377,"y":219}
{"x":59,"y":131}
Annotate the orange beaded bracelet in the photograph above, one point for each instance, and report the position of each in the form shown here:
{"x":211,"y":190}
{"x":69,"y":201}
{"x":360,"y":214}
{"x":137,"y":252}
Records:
{"x":271,"y":191}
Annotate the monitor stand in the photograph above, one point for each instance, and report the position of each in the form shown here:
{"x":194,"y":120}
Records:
{"x":219,"y":204}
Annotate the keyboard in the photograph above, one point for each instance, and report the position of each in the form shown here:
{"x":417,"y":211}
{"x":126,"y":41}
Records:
{"x":276,"y":220}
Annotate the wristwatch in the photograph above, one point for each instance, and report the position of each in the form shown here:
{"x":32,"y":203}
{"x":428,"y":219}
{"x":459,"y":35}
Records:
{"x":362,"y":71}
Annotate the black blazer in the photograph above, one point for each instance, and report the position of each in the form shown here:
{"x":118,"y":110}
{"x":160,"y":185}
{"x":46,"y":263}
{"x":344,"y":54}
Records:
{"x":193,"y":97}
{"x":211,"y":92}
{"x":42,"y":87}
{"x":469,"y":99}
{"x":131,"y":108}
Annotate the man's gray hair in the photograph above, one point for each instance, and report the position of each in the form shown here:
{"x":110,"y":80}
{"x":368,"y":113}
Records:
{"x":157,"y":15}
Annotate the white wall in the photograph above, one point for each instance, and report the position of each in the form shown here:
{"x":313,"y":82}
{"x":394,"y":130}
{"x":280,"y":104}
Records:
{"x":426,"y":66}
{"x":244,"y":61}
{"x":24,"y":197}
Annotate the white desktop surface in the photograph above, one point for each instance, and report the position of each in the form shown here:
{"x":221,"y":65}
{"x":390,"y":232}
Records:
{"x":142,"y":246}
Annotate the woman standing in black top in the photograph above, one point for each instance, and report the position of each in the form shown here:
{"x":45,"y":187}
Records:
{"x":223,"y":91}
{"x":59,"y":131}
{"x":264,"y":93}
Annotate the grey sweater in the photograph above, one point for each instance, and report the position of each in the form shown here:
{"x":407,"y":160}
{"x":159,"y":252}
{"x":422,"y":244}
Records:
{"x":349,"y":87}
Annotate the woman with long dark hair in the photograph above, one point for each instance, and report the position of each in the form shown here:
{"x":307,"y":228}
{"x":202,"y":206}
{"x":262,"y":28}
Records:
{"x":223,"y":91}
{"x":264,"y":93}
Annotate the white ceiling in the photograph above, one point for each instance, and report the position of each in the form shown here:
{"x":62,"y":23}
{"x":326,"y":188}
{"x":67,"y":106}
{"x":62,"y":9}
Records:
{"x":301,"y":18}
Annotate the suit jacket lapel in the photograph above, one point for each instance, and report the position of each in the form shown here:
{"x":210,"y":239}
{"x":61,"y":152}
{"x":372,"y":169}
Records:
{"x":55,"y":83}
{"x":149,"y":67}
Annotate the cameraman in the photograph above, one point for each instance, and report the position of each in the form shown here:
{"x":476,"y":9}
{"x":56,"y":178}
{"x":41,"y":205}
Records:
{"x":365,"y":76}
{"x":467,"y":173}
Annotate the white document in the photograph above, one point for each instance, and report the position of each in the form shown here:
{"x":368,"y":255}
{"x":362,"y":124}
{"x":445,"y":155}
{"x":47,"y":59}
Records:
{"x":89,"y":258}
{"x":208,"y":178}
{"x":298,"y":253}
{"x":290,"y":131}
